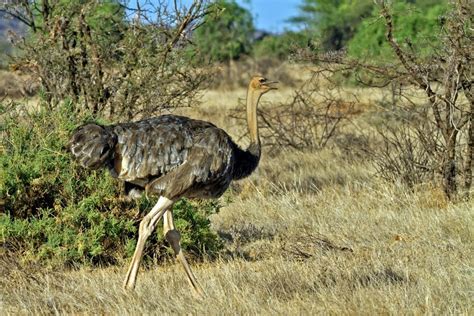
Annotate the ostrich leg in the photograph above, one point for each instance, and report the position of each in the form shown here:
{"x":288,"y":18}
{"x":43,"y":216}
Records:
{"x":147,"y":226}
{"x":173,"y":237}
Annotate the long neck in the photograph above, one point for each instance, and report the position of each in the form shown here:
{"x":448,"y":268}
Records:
{"x":252,"y":101}
{"x":246,"y":161}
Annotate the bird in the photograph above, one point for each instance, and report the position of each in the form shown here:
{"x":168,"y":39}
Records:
{"x":172,"y":157}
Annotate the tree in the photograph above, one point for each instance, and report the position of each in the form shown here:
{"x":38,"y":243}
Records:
{"x":333,"y":22}
{"x":89,"y":52}
{"x":226,"y":34}
{"x":341,"y":23}
{"x":418,"y":22}
{"x":451,"y":67}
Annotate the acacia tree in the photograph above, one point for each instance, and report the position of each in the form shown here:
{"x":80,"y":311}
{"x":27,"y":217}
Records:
{"x":441,"y":129}
{"x":120,"y":59}
{"x":444,"y":78}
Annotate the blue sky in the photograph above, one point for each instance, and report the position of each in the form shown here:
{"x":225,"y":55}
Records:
{"x":269,"y":15}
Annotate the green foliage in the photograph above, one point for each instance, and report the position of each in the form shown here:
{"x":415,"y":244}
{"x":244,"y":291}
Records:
{"x":280,"y":46}
{"x":108,"y":14}
{"x":334,"y":22}
{"x":356,"y":24}
{"x":416,"y":24}
{"x":225,"y":35}
{"x":57,"y":213}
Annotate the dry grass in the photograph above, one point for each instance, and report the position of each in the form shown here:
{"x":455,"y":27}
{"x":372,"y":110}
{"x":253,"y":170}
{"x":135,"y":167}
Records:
{"x":349,"y":245}
{"x":308,"y":233}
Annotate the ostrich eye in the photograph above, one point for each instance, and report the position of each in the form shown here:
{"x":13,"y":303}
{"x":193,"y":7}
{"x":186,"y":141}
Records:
{"x":262,"y":80}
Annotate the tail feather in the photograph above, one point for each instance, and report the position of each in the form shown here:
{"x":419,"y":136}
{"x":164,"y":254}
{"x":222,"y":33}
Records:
{"x":93,"y":146}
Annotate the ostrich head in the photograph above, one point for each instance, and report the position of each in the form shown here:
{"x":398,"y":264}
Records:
{"x":261,"y":84}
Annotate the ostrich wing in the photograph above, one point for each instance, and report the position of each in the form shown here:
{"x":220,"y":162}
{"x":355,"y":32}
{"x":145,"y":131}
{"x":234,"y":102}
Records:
{"x":149,"y":149}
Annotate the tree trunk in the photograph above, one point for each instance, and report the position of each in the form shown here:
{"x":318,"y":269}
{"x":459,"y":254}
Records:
{"x":470,"y":155}
{"x":449,"y":168}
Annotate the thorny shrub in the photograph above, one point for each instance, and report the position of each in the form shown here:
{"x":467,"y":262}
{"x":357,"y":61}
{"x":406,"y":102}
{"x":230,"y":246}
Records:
{"x":401,"y":157}
{"x":110,"y":58}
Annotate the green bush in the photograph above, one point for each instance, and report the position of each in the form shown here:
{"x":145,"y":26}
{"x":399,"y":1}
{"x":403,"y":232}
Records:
{"x":59,"y":214}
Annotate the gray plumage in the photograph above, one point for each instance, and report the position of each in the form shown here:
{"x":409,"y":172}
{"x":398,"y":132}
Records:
{"x":172,"y":156}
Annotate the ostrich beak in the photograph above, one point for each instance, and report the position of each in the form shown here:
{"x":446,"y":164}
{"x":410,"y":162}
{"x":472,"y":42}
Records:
{"x":271,"y":85}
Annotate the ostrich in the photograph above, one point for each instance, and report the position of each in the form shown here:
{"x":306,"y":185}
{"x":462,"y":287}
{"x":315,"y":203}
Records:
{"x":170,"y":156}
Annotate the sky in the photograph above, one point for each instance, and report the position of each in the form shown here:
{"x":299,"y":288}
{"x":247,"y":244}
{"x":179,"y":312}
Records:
{"x":269,"y":15}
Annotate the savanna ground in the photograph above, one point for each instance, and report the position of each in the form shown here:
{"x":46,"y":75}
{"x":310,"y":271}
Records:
{"x":310,"y":232}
